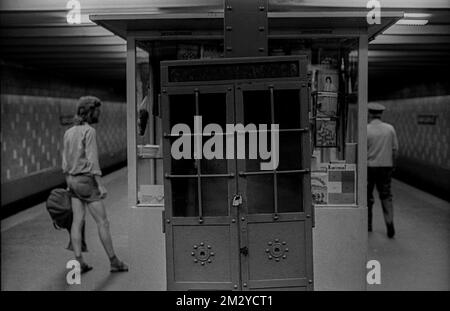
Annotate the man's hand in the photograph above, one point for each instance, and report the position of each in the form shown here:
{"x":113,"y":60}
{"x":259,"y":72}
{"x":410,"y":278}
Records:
{"x":102,"y":189}
{"x":103,"y":192}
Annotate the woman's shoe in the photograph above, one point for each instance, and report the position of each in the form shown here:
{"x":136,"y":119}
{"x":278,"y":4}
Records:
{"x":119,"y":267}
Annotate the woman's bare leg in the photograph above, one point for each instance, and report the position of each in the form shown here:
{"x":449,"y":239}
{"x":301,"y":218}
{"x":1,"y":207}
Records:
{"x":98,"y":212}
{"x":79,"y":212}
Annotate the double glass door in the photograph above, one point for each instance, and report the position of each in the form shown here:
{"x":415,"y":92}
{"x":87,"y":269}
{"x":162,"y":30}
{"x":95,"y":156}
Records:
{"x":237,"y":186}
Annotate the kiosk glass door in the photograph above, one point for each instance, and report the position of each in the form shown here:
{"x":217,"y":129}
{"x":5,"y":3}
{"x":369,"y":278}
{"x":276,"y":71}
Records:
{"x":237,"y":215}
{"x":201,"y":228}
{"x":274,"y":231}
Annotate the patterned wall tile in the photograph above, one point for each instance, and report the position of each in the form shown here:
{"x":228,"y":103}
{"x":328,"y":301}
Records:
{"x":428,"y":143}
{"x":31,"y":133}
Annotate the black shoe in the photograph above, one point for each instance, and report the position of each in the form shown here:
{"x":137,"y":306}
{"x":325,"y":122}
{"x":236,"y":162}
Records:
{"x":390,"y":230}
{"x":119,"y":267}
{"x":85,"y":268}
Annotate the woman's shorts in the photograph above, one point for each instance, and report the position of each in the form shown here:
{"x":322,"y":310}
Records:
{"x":83,"y":187}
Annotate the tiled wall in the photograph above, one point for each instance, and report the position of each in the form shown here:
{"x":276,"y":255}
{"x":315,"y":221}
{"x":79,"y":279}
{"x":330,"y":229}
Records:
{"x":31,"y":133}
{"x":426,"y":143}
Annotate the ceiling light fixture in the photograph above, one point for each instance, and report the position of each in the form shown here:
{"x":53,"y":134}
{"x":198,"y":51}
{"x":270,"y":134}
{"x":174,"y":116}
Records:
{"x":412,"y":22}
{"x":416,"y":15}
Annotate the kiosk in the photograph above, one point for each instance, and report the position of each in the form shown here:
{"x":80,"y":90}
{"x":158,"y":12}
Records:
{"x":223,"y":222}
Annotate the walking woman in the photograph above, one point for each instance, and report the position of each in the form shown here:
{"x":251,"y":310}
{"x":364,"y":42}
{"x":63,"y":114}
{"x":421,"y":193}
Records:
{"x":83,"y":176}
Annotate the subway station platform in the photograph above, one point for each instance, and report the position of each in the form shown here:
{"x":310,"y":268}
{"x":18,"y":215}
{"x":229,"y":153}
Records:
{"x":34,"y":256}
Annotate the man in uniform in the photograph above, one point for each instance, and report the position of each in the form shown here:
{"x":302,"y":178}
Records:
{"x":382,"y":148}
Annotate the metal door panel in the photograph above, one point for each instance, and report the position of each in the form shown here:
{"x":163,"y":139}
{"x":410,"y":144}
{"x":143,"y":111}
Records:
{"x":216,"y":267}
{"x":293,"y":269}
{"x":277,"y":255}
{"x":203,"y":254}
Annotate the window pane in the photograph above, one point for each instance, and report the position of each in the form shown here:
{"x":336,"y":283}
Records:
{"x":184,"y":197}
{"x":259,"y":194}
{"x":287,"y":108}
{"x":149,"y":173}
{"x":215,"y":196}
{"x":184,"y":167}
{"x":213,"y":110}
{"x":257,"y":107}
{"x":256,"y":111}
{"x":289,"y":192}
{"x":213,"y":166}
{"x":290,"y":151}
{"x":182,"y":110}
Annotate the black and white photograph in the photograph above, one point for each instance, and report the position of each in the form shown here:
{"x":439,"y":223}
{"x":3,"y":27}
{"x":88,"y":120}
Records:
{"x":210,"y":150}
{"x":327,"y":80}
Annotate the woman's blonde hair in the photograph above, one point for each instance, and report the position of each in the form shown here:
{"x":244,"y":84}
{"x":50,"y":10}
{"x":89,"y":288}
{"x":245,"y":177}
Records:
{"x":85,"y":107}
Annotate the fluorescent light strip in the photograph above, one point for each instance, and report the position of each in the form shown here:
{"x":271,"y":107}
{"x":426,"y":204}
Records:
{"x":412,"y":22}
{"x":416,"y":15}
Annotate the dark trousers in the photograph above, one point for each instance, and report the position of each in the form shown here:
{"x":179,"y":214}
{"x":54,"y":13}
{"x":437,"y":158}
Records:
{"x":381,"y":178}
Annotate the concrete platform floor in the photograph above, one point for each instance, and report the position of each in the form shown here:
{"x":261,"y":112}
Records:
{"x":33,"y":254}
{"x":418,"y":258}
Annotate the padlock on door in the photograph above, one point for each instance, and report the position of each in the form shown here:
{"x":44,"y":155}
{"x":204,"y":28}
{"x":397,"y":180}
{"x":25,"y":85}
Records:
{"x":237,"y":200}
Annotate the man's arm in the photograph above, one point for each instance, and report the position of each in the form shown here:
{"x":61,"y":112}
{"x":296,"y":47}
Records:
{"x":394,"y":148}
{"x":91,"y":152}
{"x":92,"y":156}
{"x":64,"y":160}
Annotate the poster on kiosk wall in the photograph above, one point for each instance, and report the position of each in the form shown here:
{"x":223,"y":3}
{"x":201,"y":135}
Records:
{"x":334,"y":184}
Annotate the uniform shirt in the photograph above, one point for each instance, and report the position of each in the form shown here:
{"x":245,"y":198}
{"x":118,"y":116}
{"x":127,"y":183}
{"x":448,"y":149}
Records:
{"x":381,"y":141}
{"x":80,"y":155}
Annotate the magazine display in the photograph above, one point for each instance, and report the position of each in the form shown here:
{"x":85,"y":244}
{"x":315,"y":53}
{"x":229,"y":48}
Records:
{"x":327,"y":80}
{"x":319,"y":187}
{"x":326,"y":104}
{"x":326,"y":132}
